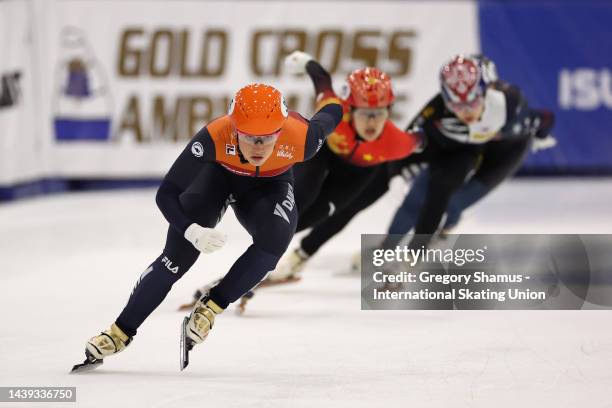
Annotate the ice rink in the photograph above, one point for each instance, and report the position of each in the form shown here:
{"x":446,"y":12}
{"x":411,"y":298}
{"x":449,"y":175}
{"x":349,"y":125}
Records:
{"x":69,"y":263}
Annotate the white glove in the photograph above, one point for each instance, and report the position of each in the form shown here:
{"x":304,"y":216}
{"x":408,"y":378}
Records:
{"x":206,"y":240}
{"x":295,"y":63}
{"x":543,"y":143}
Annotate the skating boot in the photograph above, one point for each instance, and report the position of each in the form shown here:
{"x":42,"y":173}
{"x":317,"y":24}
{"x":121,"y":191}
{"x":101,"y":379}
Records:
{"x":109,"y":342}
{"x":196,"y":326}
{"x":198,"y":294}
{"x":202,"y":319}
{"x":288,"y":269}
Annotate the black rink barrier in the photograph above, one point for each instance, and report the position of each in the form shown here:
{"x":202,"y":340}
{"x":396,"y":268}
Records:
{"x":487,"y":272}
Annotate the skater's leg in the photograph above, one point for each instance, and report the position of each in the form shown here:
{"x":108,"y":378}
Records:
{"x":156,"y":281}
{"x":406,"y":215}
{"x":293,"y":262}
{"x":331,"y":226}
{"x":204,"y":202}
{"x":469,"y":194}
{"x":270,"y":216}
{"x":343,"y":184}
{"x":309,"y":178}
{"x":500,"y":161}
{"x":445,"y":175}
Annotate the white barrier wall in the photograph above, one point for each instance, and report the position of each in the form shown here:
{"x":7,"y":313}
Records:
{"x":120,"y":86}
{"x":21,"y":143}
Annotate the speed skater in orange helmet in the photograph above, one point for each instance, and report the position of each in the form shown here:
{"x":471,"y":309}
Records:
{"x":243,"y":159}
{"x":354,"y":154}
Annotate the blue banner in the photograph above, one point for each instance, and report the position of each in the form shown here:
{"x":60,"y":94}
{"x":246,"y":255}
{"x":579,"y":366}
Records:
{"x":560,"y":54}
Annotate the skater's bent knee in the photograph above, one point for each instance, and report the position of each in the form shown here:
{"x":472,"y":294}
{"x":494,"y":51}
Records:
{"x":275,"y":246}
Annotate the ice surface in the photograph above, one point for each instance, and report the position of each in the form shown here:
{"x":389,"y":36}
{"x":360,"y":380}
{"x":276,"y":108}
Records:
{"x":69,"y":263}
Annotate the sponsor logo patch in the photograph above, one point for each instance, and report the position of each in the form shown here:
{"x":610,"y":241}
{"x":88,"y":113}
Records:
{"x":286,"y":206}
{"x":197,"y":149}
{"x":168,"y":263}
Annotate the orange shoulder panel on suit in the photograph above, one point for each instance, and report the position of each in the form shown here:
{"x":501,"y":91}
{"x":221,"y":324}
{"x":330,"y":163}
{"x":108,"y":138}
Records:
{"x":289,"y":148}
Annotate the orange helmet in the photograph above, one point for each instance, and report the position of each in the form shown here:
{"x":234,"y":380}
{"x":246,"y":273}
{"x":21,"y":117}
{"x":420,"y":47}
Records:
{"x":258,"y":109}
{"x":369,"y":88}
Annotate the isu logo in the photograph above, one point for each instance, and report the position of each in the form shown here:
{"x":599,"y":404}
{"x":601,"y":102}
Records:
{"x":585,"y":89}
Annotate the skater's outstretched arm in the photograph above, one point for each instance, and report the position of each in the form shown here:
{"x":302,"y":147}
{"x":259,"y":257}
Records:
{"x":321,"y":125}
{"x":299,"y":62}
{"x":321,"y":79}
{"x":530,"y":122}
{"x":542,"y":124}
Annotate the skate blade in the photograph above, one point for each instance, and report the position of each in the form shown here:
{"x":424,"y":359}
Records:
{"x":87,"y":365}
{"x":267,"y":283}
{"x":186,"y":306}
{"x":186,"y":345}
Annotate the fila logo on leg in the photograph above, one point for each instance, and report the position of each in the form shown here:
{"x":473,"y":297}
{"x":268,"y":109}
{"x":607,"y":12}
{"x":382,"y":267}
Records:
{"x":168,"y":263}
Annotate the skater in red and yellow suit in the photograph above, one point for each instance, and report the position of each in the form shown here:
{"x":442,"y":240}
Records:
{"x":354,"y":153}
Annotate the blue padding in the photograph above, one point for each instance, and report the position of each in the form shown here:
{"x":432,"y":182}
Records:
{"x":49,"y":186}
{"x":560,"y":54}
{"x":67,"y":129}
